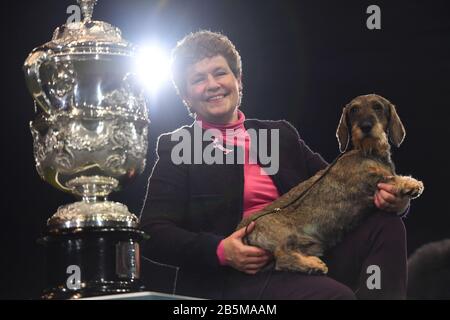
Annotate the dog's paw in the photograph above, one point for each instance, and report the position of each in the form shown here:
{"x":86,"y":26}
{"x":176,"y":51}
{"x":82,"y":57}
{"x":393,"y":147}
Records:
{"x":412,"y":188}
{"x":316,"y":265}
{"x":388,"y":179}
{"x":313,"y":265}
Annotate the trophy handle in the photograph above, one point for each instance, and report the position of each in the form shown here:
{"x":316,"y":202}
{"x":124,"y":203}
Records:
{"x":31,"y":68}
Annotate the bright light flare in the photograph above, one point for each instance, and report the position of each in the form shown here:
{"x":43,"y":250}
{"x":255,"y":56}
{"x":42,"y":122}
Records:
{"x":152,"y":67}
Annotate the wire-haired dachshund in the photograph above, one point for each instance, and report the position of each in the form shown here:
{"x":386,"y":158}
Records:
{"x":313,"y":216}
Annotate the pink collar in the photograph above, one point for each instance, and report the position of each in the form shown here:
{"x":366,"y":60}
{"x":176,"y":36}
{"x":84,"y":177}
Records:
{"x":238,"y":124}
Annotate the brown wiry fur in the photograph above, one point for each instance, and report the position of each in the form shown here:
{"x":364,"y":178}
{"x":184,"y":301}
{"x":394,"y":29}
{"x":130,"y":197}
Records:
{"x":298,"y":233}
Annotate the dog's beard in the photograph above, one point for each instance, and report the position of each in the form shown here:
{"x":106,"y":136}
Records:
{"x":369,"y":145}
{"x":375,"y":143}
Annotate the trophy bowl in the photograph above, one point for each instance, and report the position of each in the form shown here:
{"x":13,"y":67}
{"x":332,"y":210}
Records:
{"x":89,"y":157}
{"x":69,"y":149}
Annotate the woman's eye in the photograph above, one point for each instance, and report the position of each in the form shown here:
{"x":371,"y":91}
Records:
{"x":197,"y":80}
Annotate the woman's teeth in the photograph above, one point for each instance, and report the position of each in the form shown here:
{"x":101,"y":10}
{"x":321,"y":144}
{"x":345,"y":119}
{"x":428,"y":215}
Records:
{"x":215,"y":98}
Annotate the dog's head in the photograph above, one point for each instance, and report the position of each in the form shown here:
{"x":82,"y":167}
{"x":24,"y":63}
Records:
{"x":369,"y":120}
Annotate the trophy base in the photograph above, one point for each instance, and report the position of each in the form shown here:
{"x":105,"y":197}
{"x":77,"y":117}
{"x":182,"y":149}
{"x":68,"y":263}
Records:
{"x":87,"y":262}
{"x":95,"y":290}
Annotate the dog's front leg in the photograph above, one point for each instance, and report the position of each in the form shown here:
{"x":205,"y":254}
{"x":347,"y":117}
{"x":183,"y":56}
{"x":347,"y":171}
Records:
{"x":406,"y":186}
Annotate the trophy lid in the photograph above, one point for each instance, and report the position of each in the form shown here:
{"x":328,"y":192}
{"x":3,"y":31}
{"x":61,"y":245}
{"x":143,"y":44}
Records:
{"x":87,"y":33}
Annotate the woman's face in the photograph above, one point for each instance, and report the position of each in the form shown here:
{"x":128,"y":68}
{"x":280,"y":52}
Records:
{"x":212,"y":90}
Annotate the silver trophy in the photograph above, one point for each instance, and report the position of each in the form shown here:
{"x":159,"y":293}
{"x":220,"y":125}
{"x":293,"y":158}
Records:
{"x":90,"y":134}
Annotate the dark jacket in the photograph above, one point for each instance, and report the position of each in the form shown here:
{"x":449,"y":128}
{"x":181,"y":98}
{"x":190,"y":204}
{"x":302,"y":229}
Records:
{"x":190,"y":208}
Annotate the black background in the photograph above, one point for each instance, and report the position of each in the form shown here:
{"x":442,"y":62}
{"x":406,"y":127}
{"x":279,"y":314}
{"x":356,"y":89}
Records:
{"x":302,"y":61}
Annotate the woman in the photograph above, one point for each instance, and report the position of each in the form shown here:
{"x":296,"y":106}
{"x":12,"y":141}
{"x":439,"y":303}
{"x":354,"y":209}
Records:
{"x":193,"y":207}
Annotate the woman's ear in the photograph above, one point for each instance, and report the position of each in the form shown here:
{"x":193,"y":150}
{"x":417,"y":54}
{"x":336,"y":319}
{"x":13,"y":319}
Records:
{"x":240,"y":83}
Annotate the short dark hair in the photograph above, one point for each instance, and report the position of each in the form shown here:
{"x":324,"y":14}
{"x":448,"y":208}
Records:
{"x":197,"y":46}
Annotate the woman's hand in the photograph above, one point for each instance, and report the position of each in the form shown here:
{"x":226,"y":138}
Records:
{"x":248,"y":259}
{"x":386,"y":198}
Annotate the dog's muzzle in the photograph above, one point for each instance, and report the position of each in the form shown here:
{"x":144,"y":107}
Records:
{"x":366,"y":127}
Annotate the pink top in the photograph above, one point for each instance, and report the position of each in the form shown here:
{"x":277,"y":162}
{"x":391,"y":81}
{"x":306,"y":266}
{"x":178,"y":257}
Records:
{"x":259,"y":189}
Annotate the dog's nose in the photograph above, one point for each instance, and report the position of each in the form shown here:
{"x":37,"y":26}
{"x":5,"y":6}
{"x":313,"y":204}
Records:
{"x":366,"y":126}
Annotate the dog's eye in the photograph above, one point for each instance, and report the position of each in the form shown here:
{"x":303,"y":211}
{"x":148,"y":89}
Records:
{"x":377,"y":107}
{"x":354,"y":110}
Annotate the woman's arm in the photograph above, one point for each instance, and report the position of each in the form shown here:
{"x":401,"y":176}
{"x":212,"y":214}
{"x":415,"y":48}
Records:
{"x":313,"y":160}
{"x":164,"y":213}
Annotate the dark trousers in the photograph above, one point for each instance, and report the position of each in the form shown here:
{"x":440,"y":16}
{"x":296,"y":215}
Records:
{"x":369,"y":263}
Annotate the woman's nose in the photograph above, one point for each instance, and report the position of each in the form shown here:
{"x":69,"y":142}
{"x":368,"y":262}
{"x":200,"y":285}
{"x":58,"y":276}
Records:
{"x":212,"y":83}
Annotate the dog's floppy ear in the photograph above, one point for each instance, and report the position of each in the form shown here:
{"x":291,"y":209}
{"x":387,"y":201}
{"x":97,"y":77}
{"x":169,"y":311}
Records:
{"x":342,"y":133}
{"x":396,"y":130}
